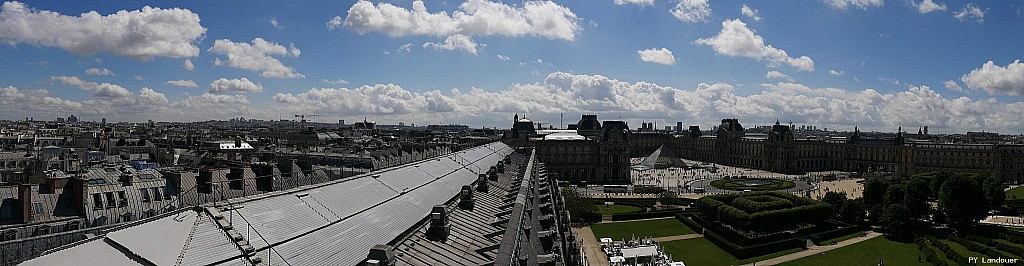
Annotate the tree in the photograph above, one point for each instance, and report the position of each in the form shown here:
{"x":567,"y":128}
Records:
{"x":874,"y":191}
{"x":895,"y":194}
{"x":875,"y":213}
{"x":853,"y":211}
{"x":581,"y":209}
{"x":915,"y":197}
{"x":994,"y":194}
{"x":836,"y":200}
{"x":897,"y":222}
{"x":962,"y":202}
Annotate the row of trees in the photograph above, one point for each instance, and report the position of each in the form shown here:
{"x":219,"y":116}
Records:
{"x":900,"y":206}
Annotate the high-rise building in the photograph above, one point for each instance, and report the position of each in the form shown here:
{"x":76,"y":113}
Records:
{"x":341,"y":122}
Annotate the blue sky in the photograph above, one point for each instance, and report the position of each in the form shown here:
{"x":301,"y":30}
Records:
{"x":835,"y":63}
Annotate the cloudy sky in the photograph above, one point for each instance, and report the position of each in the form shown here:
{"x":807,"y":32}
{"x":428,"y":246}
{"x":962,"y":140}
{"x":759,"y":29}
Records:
{"x":951,"y":65}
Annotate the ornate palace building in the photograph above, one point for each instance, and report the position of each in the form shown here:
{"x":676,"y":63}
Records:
{"x":594,"y":153}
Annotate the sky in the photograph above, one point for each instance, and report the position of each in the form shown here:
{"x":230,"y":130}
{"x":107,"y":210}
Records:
{"x":877,"y":64}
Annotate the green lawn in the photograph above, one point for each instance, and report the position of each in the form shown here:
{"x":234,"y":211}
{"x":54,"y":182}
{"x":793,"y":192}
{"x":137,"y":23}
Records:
{"x":700,"y":251}
{"x":1015,"y":193}
{"x":617,"y":209}
{"x":939,"y":253}
{"x":867,"y":253}
{"x":640,"y":229}
{"x":961,"y":249}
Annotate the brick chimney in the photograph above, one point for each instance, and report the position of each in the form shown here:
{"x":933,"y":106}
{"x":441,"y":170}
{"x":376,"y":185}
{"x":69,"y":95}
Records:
{"x":25,"y":193}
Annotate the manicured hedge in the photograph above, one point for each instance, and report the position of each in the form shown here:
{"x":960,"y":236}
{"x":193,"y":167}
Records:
{"x":733,"y":236}
{"x":973,"y":246}
{"x":929,"y":254}
{"x":1012,"y":238}
{"x":950,"y":253}
{"x":689,"y":223}
{"x":743,"y":252}
{"x":842,"y":231}
{"x":720,"y":208}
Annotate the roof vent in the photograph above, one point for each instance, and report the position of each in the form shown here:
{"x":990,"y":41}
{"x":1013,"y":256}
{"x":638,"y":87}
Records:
{"x":439,"y":227}
{"x":467,"y":197}
{"x":481,"y":183}
{"x":381,"y":255}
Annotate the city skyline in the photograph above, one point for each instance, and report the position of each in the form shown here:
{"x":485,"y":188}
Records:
{"x":950,"y":65}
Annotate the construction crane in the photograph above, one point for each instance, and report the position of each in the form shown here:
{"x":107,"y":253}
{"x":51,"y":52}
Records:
{"x":302,"y":120}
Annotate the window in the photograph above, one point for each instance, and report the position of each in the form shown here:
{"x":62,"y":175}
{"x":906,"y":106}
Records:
{"x":97,"y":201}
{"x":37,"y":207}
{"x":156,"y":193}
{"x":167,"y":192}
{"x":145,"y":194}
{"x":111,"y":202}
{"x":8,"y":235}
{"x":123,"y":200}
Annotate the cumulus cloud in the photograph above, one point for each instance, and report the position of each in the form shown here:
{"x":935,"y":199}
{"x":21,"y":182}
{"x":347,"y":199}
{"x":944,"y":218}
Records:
{"x":139,"y":34}
{"x":183,"y":83}
{"x":995,"y":79}
{"x":503,"y":58}
{"x":474,"y":18}
{"x":835,"y":73}
{"x":188,"y":65}
{"x":778,"y":75}
{"x":657,"y":55}
{"x":257,"y":56}
{"x":692,"y":11}
{"x":702,"y":104}
{"x":736,"y":39}
{"x":242,"y":85}
{"x":750,"y":12}
{"x":970,"y":12}
{"x":862,"y":4}
{"x":335,"y":82}
{"x":635,"y":2}
{"x":455,"y":42}
{"x":103,"y":90}
{"x":928,"y":6}
{"x":99,"y":71}
{"x":953,"y":86}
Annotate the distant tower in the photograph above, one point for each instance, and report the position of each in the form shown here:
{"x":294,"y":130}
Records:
{"x":515,"y":118}
{"x":926,"y":130}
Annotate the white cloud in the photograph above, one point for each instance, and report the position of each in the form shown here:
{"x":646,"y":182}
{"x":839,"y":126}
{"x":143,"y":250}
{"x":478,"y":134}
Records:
{"x":257,"y":56}
{"x":970,"y":12}
{"x":139,"y":34}
{"x":995,"y":79}
{"x":635,"y":2}
{"x":99,"y":71}
{"x":503,"y":58}
{"x":137,"y":77}
{"x":188,"y":65}
{"x":276,"y":24}
{"x":335,"y":82}
{"x":183,"y":83}
{"x":657,"y":55}
{"x":750,"y":12}
{"x":893,"y":81}
{"x":928,"y":6}
{"x":102,"y":90}
{"x":405,"y":47}
{"x":474,"y":18}
{"x":692,"y":11}
{"x":835,"y":73}
{"x":862,"y":4}
{"x":736,"y":39}
{"x":778,"y":75}
{"x":455,"y":42}
{"x":223,"y":85}
{"x":953,"y":86}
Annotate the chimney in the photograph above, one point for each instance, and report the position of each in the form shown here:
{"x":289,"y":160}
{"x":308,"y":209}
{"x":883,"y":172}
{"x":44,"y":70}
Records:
{"x":305,"y":164}
{"x":439,"y":227}
{"x":381,"y":255}
{"x":264,"y":176}
{"x":235,"y":176}
{"x":25,"y":193}
{"x":285,"y":165}
{"x":466,"y":197}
